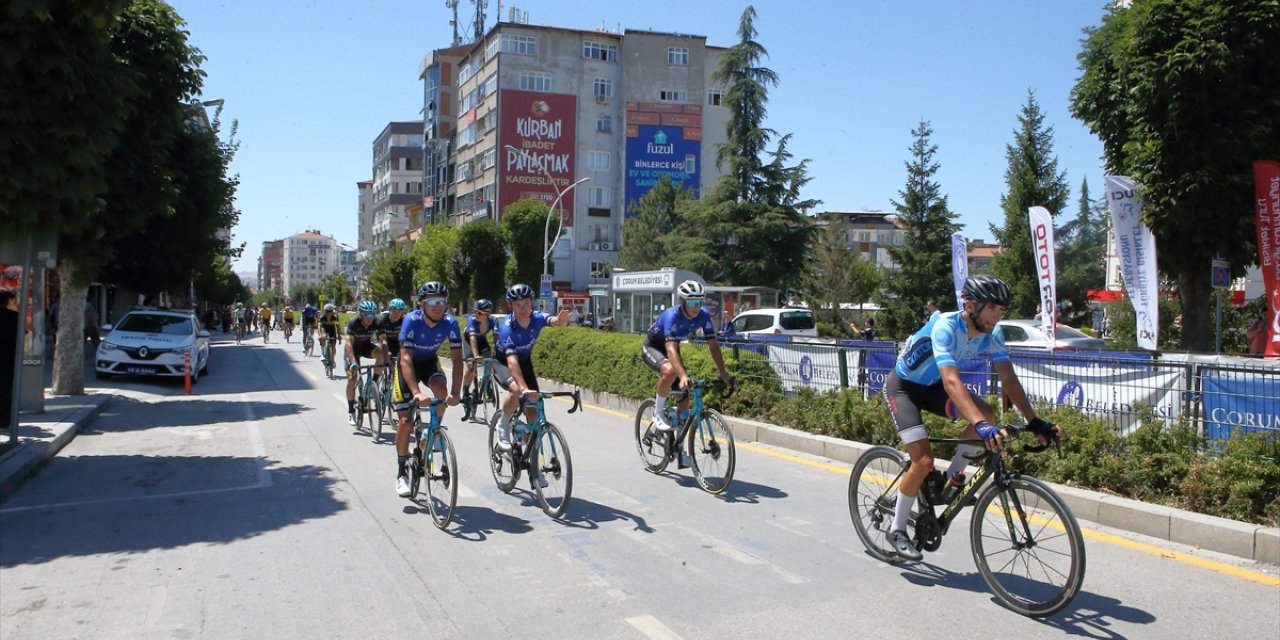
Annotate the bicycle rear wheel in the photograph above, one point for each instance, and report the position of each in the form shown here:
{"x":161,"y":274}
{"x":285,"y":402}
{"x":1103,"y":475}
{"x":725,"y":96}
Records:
{"x":1028,"y":546}
{"x":487,"y":406}
{"x":328,"y":362}
{"x":378,"y":404}
{"x":552,"y":472}
{"x":651,"y":444}
{"x":712,"y":453}
{"x":442,"y":481}
{"x":501,"y":463}
{"x":873,"y":496}
{"x":362,"y":403}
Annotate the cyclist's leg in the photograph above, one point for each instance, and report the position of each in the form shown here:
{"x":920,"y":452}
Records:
{"x":962,"y":451}
{"x":531,"y":381}
{"x":351,"y":380}
{"x":658,"y":361}
{"x":502,"y":374}
{"x":469,"y":369}
{"x":402,"y":401}
{"x":905,"y":401}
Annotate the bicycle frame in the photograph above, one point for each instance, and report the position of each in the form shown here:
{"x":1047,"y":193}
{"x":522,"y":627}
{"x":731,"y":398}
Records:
{"x":520,"y":428}
{"x":696,"y":408}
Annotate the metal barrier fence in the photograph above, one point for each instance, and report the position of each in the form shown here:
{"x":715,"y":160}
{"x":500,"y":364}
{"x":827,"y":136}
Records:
{"x":1217,"y":393}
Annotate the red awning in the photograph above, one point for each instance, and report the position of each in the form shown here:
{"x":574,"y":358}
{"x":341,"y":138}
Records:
{"x":1105,"y":295}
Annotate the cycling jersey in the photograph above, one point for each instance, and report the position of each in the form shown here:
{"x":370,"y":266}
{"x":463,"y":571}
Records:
{"x":288,"y":317}
{"x":309,"y":314}
{"x":516,"y":340}
{"x":391,"y":330}
{"x":329,"y":325}
{"x":425,"y":340}
{"x":944,"y":342}
{"x":362,"y":337}
{"x":673,"y":325}
{"x":265,"y":315}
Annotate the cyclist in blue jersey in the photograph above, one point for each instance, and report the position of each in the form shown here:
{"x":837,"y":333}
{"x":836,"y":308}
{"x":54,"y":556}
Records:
{"x":927,"y":377}
{"x":422,"y":333}
{"x":309,"y":315}
{"x":661,"y":348}
{"x":475,"y":341}
{"x":513,"y":368}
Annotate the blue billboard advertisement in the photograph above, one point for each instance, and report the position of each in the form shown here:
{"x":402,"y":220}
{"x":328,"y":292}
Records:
{"x":660,"y":150}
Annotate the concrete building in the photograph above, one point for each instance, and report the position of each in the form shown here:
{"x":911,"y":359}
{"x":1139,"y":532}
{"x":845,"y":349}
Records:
{"x":397,"y":180}
{"x":309,"y":257}
{"x":529,"y":110}
{"x":364,"y":216}
{"x":271,"y":265}
{"x":867,"y":233}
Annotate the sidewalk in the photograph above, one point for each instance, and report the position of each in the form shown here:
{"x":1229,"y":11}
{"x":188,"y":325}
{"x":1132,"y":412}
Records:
{"x":42,"y":435}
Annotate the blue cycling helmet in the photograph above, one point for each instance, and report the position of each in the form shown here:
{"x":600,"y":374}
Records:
{"x":519,"y":292}
{"x":368,"y":307}
{"x":396,"y":304}
{"x":433,"y":289}
{"x":484,"y":304}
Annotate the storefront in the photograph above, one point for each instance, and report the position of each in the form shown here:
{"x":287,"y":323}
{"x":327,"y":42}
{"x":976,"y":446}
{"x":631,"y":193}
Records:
{"x":639,"y":296}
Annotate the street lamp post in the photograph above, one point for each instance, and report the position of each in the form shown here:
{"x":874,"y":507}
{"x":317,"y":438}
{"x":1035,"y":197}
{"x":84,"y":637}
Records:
{"x":556,"y":206}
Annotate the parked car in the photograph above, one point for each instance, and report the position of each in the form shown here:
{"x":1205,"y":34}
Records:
{"x":777,"y":322}
{"x":153,"y":342}
{"x":1028,"y":334}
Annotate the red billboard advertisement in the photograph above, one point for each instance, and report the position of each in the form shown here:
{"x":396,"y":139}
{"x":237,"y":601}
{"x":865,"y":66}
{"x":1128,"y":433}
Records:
{"x":536,"y":138}
{"x":1266,"y":178}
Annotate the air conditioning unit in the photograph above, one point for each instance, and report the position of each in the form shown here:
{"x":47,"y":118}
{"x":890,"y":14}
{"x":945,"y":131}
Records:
{"x":602,"y":99}
{"x":594,"y":246}
{"x":606,"y":246}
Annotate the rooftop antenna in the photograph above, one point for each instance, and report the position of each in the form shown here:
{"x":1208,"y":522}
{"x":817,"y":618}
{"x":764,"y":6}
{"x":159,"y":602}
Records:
{"x":453,"y":5}
{"x":479,"y":24}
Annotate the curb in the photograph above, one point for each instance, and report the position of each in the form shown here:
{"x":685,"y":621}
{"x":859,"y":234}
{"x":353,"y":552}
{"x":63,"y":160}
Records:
{"x":1240,"y":539}
{"x":25,"y":459}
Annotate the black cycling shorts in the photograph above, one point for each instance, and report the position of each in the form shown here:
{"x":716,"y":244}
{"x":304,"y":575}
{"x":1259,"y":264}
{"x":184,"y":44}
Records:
{"x":653,"y":357}
{"x":907,"y":399}
{"x":483,"y":344}
{"x":424,"y":370}
{"x":505,"y":378}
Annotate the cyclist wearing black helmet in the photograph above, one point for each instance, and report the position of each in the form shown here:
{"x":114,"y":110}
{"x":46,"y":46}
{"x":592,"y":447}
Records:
{"x":475,"y":341}
{"x":514,"y":366}
{"x":927,"y":377}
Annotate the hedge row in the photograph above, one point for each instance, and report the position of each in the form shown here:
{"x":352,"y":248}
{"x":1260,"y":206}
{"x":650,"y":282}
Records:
{"x":1165,"y":465}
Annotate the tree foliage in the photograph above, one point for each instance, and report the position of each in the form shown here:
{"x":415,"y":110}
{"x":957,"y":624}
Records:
{"x":1182,"y":94}
{"x":525,"y":223}
{"x":837,"y":275}
{"x":650,"y":235}
{"x":391,"y":275}
{"x":1032,"y":179}
{"x":479,"y":263}
{"x":1081,"y":244}
{"x":336,"y":289}
{"x":433,"y":253}
{"x":924,"y":258}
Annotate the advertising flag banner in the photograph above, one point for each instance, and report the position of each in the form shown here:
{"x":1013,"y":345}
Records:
{"x":1266,"y":183}
{"x":959,"y":264}
{"x":1046,"y":270}
{"x":1136,"y":247}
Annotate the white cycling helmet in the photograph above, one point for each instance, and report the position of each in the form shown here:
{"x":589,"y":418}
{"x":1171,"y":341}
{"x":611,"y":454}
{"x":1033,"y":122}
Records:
{"x":691,"y":290}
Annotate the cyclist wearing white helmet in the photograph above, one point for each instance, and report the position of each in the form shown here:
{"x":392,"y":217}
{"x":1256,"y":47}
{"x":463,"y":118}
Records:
{"x":927,"y":377}
{"x":364,"y":340}
{"x":661,"y":348}
{"x":513,"y":367}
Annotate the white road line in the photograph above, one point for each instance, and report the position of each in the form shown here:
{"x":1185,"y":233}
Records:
{"x":651,"y":628}
{"x":312,"y":375}
{"x":745,"y":557}
{"x":255,"y":441}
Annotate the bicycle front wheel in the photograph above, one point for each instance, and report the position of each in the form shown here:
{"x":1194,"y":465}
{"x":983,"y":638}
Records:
{"x":378,"y":400}
{"x":552,"y":474}
{"x":501,"y":463}
{"x":873,"y":496}
{"x":651,"y":443}
{"x":1027,"y":546}
{"x":442,"y":479}
{"x":712,"y":453}
{"x":487,"y":406}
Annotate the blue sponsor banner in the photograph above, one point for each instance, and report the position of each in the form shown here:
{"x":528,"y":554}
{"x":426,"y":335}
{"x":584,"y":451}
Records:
{"x":975,"y":373}
{"x":660,"y":150}
{"x":1249,"y":404}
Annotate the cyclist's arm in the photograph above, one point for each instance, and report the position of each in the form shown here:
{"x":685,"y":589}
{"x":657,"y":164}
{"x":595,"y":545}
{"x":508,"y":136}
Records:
{"x":513,"y":364}
{"x":560,"y":319}
{"x":673,"y":354}
{"x":1013,"y":388}
{"x":455,"y":354}
{"x":717,"y":357}
{"x":350,"y":348}
{"x":406,"y":368}
{"x":965,"y":406}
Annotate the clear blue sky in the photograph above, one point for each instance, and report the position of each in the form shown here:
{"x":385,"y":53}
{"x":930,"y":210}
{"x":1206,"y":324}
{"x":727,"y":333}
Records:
{"x":312,"y":83}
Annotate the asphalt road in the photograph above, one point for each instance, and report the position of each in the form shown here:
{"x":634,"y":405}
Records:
{"x":251,"y":509}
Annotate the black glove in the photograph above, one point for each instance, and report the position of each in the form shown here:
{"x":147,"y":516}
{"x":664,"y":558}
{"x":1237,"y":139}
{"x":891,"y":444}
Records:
{"x":1042,"y":428}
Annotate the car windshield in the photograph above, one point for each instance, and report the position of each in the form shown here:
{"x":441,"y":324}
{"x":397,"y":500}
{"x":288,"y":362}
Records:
{"x":795,"y":320}
{"x":148,"y":323}
{"x":1063,"y":331}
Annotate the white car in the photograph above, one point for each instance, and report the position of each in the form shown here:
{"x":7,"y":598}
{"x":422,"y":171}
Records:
{"x":153,"y":342}
{"x":774,"y":322}
{"x":1028,"y":334}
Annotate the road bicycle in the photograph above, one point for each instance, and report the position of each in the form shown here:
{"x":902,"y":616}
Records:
{"x":308,"y":341}
{"x":239,"y":331}
{"x":370,"y":399}
{"x":433,"y":459}
{"x":326,"y":357}
{"x":1025,"y":541}
{"x":703,"y":433}
{"x":481,"y":394}
{"x":288,"y":331}
{"x":537,"y":448}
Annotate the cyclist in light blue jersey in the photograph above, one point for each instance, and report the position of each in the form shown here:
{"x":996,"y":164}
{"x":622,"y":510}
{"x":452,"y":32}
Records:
{"x":513,"y":367}
{"x":927,"y":377}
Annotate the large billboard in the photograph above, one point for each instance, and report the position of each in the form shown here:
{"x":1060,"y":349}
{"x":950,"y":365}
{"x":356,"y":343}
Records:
{"x":662,"y":139}
{"x":542,"y":129}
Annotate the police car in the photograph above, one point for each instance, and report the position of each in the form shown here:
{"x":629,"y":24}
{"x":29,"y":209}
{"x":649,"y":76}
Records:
{"x":153,"y":342}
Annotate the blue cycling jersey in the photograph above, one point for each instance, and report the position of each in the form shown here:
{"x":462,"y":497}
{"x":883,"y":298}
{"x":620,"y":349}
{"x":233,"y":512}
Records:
{"x":310,"y":313}
{"x":473,"y":327}
{"x":425,"y":340}
{"x":673,"y":324}
{"x":514,"y":339}
{"x":944,"y":342}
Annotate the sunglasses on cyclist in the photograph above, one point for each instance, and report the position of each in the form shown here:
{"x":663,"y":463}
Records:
{"x":434,"y":301}
{"x":693,"y":302}
{"x":367,"y":315}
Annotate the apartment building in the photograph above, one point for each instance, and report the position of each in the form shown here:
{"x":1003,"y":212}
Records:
{"x":397,"y":180}
{"x":270,"y":265}
{"x":308,"y":258}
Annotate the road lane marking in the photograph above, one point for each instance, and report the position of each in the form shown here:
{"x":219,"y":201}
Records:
{"x":312,"y":375}
{"x":1203,"y":563}
{"x":651,"y":628}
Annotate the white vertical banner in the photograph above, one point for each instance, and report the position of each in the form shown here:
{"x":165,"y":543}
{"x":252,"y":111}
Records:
{"x":1137,"y":250}
{"x":1046,"y":270}
{"x":959,"y":265}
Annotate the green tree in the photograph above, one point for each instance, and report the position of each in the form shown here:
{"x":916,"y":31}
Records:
{"x":1176,"y":91}
{"x":525,"y":224}
{"x":391,"y":275}
{"x":480,"y":261}
{"x":1031,"y":179}
{"x":648,"y":237}
{"x":433,"y":253}
{"x":220,"y":285}
{"x":837,"y":275}
{"x":924,"y":257}
{"x":1081,"y":243}
{"x":336,"y":290}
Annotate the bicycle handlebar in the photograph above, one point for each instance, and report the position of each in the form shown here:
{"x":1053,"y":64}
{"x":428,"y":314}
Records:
{"x":1014,"y":430}
{"x":576,"y":394}
{"x":676,"y":394}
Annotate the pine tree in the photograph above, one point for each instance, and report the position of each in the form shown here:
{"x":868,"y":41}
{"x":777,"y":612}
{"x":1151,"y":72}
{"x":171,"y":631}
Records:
{"x":1032,"y":179}
{"x":924,"y":258}
{"x":1080,"y":268}
{"x":647,"y":236}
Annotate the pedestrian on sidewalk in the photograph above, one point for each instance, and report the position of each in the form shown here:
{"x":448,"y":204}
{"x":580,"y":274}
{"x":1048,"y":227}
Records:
{"x":8,"y":351}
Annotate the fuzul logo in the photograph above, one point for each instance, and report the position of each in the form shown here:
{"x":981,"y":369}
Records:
{"x":660,"y":144}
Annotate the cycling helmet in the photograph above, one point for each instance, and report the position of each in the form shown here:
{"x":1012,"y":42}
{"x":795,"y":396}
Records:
{"x":691,"y":289}
{"x":396,"y":304}
{"x":329,"y":307}
{"x":484,"y":304}
{"x":986,"y":289}
{"x":519,"y":292}
{"x":433,"y":289}
{"x":368,"y":307}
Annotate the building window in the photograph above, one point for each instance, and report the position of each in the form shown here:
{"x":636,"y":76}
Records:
{"x":678,"y":56}
{"x":600,"y":51}
{"x":715,"y":97}
{"x":599,"y":212}
{"x":523,"y":45}
{"x":599,"y":197}
{"x":667,"y":95}
{"x":604,"y":124}
{"x":603,"y":90}
{"x":598,"y":160}
{"x":535,"y":81}
{"x":488,"y":158}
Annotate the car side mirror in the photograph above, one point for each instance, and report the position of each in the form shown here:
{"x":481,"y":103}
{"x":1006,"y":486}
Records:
{"x":203,"y":334}
{"x":106,"y":327}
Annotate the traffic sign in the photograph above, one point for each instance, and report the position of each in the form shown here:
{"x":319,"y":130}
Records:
{"x":1221,"y":274}
{"x":546,"y":286}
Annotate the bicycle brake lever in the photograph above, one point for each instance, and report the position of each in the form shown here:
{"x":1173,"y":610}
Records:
{"x":577,"y":401}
